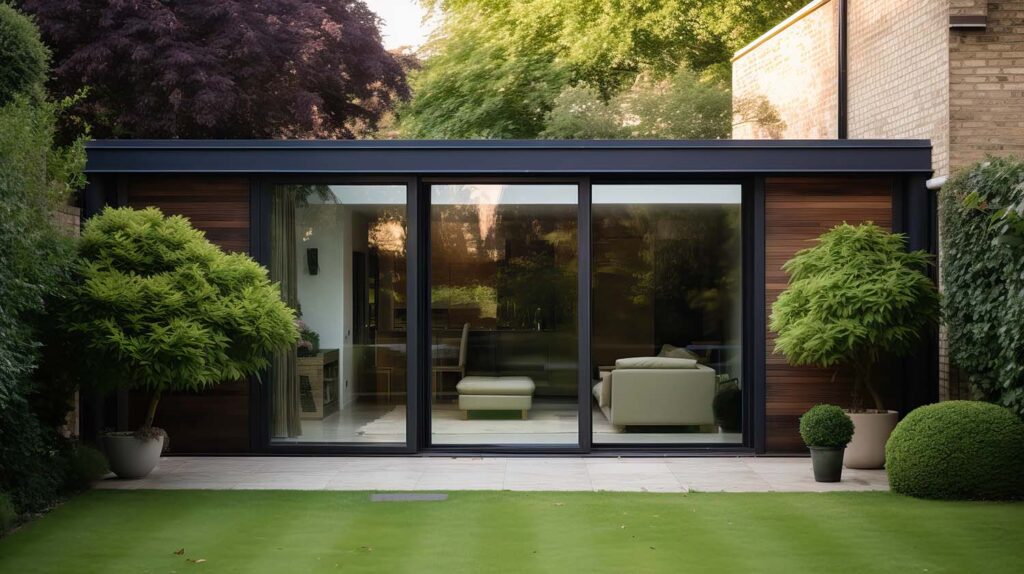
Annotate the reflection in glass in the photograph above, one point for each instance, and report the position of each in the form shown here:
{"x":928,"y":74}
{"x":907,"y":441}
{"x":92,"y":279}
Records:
{"x":667,"y":313}
{"x":339,"y":253}
{"x":503,"y":269}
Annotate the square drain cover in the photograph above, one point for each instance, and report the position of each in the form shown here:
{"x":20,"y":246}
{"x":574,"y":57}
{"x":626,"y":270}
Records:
{"x":408,"y":497}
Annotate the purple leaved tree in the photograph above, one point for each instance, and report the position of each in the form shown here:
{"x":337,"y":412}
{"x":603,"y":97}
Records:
{"x":221,"y":69}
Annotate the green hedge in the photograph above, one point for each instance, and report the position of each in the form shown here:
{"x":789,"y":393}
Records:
{"x":958,"y":450}
{"x":983,"y":278}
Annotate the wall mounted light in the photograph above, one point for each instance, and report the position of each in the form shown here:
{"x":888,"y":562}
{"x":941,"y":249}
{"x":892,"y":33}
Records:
{"x":312,"y":261}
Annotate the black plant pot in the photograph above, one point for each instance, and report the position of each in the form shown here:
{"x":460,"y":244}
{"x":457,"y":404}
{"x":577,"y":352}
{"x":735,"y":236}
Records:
{"x":827,"y":462}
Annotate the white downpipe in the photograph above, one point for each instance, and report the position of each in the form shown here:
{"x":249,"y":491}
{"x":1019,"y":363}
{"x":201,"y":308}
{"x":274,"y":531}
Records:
{"x":936,"y":183}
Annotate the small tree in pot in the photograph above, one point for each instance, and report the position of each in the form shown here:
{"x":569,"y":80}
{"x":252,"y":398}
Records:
{"x":826,"y":430}
{"x":156,"y":307}
{"x":852,"y":299}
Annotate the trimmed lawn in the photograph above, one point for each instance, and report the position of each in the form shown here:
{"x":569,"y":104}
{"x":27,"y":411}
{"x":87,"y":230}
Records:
{"x":288,"y":531}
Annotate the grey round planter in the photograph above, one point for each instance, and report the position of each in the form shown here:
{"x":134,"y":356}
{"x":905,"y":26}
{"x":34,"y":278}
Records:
{"x":132,"y":457}
{"x":827,"y":462}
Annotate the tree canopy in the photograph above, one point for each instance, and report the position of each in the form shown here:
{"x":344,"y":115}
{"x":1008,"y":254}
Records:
{"x":495,"y":69}
{"x":229,"y":69}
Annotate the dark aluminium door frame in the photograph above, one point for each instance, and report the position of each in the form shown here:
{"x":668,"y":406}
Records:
{"x":418,"y":405}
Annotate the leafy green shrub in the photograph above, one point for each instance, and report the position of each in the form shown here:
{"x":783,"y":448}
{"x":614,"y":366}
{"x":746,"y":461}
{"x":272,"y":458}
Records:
{"x":24,"y":56}
{"x":983,"y":277}
{"x":157,"y":307}
{"x":8,"y":515}
{"x":31,"y":461}
{"x":826,"y":426}
{"x":856,"y":295}
{"x":85,"y":466}
{"x":966,"y":450}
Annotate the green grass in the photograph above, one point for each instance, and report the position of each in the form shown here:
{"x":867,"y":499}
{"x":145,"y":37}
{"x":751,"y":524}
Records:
{"x":491,"y":532}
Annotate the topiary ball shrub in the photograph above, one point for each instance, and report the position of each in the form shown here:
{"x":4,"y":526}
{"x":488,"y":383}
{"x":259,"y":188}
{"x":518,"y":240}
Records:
{"x":958,"y":450}
{"x":826,"y":426}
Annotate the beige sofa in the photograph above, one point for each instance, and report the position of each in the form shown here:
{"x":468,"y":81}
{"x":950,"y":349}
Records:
{"x":649,"y":391}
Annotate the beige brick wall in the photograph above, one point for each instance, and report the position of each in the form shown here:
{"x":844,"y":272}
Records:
{"x":794,"y":68}
{"x":898,"y":72}
{"x":986,"y":101}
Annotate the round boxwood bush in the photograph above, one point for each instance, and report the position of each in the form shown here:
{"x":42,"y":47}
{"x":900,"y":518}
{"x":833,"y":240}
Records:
{"x":958,"y":450}
{"x":826,"y":426}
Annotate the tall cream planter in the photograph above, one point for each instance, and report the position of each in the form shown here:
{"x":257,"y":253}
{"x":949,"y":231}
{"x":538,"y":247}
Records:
{"x":871,"y":430}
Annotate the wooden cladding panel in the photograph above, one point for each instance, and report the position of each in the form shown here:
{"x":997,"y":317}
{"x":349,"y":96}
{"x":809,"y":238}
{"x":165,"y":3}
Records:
{"x":215,"y":420}
{"x":218,"y":206}
{"x":798,"y":210}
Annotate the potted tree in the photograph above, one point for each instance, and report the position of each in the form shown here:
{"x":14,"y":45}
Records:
{"x":853,"y":299}
{"x":826,"y":430}
{"x":155,"y":307}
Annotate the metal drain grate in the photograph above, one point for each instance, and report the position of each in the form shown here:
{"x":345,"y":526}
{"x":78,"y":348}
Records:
{"x":408,"y":497}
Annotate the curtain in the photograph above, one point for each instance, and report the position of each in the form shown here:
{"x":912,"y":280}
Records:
{"x":284,"y":371}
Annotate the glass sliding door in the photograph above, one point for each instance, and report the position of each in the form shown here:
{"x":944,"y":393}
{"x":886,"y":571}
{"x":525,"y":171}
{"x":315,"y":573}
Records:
{"x":667,"y":314}
{"x":503,"y":298}
{"x":339,"y":253}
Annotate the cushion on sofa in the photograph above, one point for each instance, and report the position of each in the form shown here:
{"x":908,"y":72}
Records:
{"x":477,"y":385}
{"x":674,"y":352}
{"x":655,"y":363}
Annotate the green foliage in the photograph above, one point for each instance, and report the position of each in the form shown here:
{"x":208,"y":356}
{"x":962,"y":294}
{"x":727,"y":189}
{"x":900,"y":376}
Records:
{"x":495,"y":68}
{"x":826,"y":426}
{"x":681,"y":106}
{"x":35,"y":258}
{"x":958,"y":450}
{"x":851,"y":298}
{"x":85,"y":466}
{"x":25,"y":58}
{"x":983,"y":277}
{"x":8,"y":515}
{"x":31,"y":461}
{"x":157,"y":307}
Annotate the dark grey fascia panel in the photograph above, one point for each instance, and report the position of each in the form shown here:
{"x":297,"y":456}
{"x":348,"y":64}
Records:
{"x":523,"y":157}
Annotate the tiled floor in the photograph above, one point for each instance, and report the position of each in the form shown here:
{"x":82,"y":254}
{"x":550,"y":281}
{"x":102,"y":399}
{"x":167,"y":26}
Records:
{"x":471,"y":473}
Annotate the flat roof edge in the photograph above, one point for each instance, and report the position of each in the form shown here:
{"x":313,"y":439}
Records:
{"x":523,"y":157}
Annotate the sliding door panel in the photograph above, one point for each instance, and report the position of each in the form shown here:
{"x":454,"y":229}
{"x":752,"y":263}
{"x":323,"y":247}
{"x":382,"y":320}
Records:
{"x":339,"y":254}
{"x":667,"y":314}
{"x":503,"y":304}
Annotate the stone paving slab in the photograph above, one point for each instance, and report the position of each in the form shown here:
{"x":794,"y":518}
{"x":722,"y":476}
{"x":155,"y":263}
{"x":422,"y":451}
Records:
{"x":734,"y":474}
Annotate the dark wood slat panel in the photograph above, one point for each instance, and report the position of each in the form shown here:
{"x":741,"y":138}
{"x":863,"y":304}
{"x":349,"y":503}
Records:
{"x":797,"y":210}
{"x":215,"y":420}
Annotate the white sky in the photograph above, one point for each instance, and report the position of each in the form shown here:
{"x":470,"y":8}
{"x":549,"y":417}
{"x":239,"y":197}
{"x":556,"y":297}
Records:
{"x":403,"y":22}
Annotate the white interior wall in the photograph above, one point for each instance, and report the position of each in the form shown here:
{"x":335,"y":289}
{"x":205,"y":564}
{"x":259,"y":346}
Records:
{"x":326,"y":298}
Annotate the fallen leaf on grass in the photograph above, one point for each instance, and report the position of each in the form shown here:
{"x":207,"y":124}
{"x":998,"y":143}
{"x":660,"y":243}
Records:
{"x":179,"y":551}
{"x":196,"y":560}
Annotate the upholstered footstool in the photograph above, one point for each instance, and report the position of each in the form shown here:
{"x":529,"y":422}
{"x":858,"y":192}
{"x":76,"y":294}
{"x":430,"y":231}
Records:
{"x":478,"y":393}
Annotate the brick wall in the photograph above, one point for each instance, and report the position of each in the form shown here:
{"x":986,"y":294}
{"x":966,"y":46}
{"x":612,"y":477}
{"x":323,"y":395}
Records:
{"x":794,"y":68}
{"x":986,"y":100}
{"x":898,"y":72}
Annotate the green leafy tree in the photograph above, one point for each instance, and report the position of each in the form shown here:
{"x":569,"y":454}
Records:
{"x":679,"y":107}
{"x":157,"y":307}
{"x":25,"y":59}
{"x":495,"y":68}
{"x":855,"y":296}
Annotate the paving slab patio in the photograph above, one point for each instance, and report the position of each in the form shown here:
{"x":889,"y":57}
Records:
{"x":735,"y":474}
